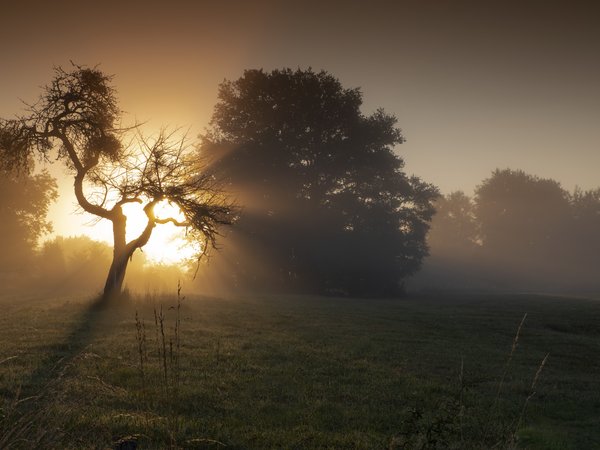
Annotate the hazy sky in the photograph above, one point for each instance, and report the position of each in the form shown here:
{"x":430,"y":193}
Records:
{"x":476,"y":85}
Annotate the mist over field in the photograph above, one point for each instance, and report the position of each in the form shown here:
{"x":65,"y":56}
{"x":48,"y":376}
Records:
{"x":310,"y":225}
{"x":518,"y":233}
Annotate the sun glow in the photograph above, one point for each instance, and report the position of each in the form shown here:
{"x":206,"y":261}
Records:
{"x":168,"y":244}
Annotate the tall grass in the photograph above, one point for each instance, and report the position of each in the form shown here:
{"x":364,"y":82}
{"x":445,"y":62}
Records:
{"x":25,"y":421}
{"x":444,"y":428}
{"x":270,"y":374}
{"x":162,"y":391}
{"x":532,"y":392}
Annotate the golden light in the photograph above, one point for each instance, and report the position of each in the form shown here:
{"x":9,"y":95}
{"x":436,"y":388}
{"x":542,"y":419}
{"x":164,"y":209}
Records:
{"x":168,"y":244}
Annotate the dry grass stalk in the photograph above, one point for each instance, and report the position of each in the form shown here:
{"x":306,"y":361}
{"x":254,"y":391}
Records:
{"x":168,"y":348}
{"x":509,"y":360}
{"x":503,"y":377}
{"x":532,"y":393}
{"x":140,"y":328}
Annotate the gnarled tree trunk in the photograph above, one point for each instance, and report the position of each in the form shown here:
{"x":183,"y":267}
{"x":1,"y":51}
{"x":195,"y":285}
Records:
{"x":123,"y":251}
{"x":116,"y":273}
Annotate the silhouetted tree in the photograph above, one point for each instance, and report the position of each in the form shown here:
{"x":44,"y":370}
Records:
{"x":73,"y":265}
{"x":77,"y":265}
{"x":77,"y":115}
{"x":524,"y":224}
{"x":586,"y":211}
{"x":326,"y":199}
{"x":584,"y":236}
{"x":455,"y":248}
{"x":454,"y":227}
{"x":24,"y":202}
{"x":522,"y":232}
{"x":518,"y":211}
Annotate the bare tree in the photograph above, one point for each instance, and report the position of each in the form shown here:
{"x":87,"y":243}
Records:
{"x":77,"y":115}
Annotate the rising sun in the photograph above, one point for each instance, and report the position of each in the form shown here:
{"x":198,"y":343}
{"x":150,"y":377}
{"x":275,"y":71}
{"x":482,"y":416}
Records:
{"x":168,"y":244}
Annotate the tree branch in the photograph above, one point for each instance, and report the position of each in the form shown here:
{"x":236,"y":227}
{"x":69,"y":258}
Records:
{"x":83,"y":201}
{"x":174,"y":221}
{"x":128,"y":200}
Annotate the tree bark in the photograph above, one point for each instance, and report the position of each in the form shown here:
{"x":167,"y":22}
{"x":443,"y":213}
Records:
{"x":118,"y":267}
{"x":123,"y":251}
{"x":116,"y":275}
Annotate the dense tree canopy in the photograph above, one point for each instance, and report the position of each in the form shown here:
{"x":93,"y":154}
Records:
{"x":522,"y":214}
{"x":327,"y":202}
{"x":456,"y":227}
{"x":24,"y":202}
{"x":519,"y":231}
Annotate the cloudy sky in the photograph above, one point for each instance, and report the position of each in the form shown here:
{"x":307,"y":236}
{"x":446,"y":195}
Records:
{"x":476,"y":85}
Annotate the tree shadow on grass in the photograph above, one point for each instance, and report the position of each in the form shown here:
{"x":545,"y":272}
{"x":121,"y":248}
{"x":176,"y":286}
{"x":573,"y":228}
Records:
{"x":99,"y":316}
{"x":35,"y":418}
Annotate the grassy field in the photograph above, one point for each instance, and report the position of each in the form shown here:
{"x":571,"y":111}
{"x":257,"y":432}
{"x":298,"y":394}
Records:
{"x":300,"y":373}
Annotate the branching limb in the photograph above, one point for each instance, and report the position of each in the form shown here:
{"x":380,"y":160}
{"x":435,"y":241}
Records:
{"x":174,"y":221}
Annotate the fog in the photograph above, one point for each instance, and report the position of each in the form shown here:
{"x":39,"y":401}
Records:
{"x":78,"y":265}
{"x":291,"y":189}
{"x":518,"y":232}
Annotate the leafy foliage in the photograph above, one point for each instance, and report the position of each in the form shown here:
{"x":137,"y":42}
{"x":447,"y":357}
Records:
{"x":518,"y":231}
{"x":327,"y":200}
{"x":78,"y":108}
{"x":24,"y":203}
{"x":531,"y":212}
{"x":455,"y":223}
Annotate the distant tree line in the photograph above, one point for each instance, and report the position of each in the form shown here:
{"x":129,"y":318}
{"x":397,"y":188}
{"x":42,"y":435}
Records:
{"x":24,"y":203}
{"x":77,"y":265}
{"x":518,"y":231}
